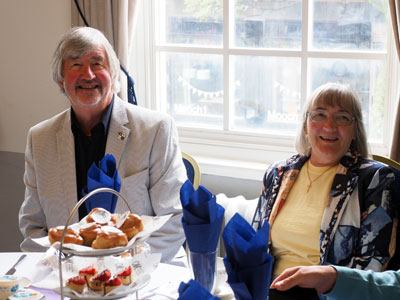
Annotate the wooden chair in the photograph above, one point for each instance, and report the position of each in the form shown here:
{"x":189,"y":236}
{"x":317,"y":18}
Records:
{"x":192,"y":169}
{"x":246,"y":208}
{"x":387,"y":161}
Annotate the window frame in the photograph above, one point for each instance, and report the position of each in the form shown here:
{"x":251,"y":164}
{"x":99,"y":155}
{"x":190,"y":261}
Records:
{"x":235,"y":153}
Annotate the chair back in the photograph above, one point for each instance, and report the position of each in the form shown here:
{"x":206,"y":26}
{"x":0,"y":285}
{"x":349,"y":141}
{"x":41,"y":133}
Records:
{"x":246,"y":208}
{"x":394,"y":263}
{"x":386,"y":160}
{"x":192,"y":169}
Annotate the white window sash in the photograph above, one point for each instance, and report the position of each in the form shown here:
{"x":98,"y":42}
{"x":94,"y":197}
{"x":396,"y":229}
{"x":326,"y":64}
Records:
{"x":228,"y":152}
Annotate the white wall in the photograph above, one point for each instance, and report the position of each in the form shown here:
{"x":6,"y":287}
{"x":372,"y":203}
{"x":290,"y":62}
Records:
{"x":29,"y":33}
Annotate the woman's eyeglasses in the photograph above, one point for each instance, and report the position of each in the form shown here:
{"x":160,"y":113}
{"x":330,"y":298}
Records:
{"x":320,"y":116}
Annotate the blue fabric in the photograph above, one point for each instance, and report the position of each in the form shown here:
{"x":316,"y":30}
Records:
{"x":247,"y":261}
{"x":394,"y":263}
{"x":202,"y":218}
{"x":193,"y":290}
{"x":131,"y":90}
{"x":365,"y":285}
{"x":131,"y":87}
{"x":103,"y":176}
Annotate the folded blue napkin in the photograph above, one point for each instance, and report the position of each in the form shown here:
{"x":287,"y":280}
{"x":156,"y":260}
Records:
{"x":103,"y":176}
{"x":247,"y":261}
{"x":193,"y":290}
{"x":202,"y":218}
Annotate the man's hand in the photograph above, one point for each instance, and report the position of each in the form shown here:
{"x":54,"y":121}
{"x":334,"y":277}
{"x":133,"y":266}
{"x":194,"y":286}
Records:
{"x":321,"y":278}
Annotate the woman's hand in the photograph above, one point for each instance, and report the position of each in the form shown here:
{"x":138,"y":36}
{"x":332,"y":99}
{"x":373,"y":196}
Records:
{"x":321,"y":278}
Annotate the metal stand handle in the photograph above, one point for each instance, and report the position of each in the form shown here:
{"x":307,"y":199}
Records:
{"x":80,"y":202}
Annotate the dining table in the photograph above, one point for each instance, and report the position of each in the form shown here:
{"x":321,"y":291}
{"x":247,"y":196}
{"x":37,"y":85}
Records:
{"x":163,"y":284}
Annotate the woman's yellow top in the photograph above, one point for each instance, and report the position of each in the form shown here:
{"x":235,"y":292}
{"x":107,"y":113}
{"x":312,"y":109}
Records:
{"x":295,"y":231}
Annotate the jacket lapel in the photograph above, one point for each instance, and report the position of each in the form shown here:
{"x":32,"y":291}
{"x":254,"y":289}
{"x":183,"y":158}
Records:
{"x":118,"y":133}
{"x":342,"y":188}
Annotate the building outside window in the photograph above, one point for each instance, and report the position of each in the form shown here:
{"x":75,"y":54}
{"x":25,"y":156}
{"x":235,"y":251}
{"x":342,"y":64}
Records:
{"x":234,"y":74}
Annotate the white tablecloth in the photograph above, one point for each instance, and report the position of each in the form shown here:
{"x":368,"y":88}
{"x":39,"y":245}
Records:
{"x":162,"y":286}
{"x":164,"y":278}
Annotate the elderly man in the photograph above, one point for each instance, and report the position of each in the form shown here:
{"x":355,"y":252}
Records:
{"x":60,"y":150}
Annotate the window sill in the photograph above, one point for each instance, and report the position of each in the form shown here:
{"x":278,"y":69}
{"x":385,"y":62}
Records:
{"x":240,"y":159}
{"x":231,"y":168}
{"x":236,"y":158}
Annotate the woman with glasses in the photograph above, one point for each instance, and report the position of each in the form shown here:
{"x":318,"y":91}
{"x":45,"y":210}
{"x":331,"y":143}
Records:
{"x":330,"y":203}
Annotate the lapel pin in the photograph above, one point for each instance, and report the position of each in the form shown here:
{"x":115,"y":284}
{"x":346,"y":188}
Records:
{"x":121,"y":136}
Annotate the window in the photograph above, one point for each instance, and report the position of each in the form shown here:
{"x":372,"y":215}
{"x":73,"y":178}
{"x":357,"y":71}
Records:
{"x":234,"y":74}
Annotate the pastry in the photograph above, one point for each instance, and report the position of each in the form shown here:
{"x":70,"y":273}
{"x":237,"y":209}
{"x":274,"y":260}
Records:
{"x":71,"y":235}
{"x":88,"y":273}
{"x":132,"y":225}
{"x":112,"y":284}
{"x":96,"y":283}
{"x":77,"y":283}
{"x":126,"y":276}
{"x":99,"y":215}
{"x":89,"y":232}
{"x":110,"y":237}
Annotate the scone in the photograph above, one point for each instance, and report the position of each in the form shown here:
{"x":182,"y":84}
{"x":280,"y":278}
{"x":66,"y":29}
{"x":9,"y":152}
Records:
{"x":110,"y":237}
{"x":126,"y":276}
{"x":89,"y":232}
{"x":132,"y":225}
{"x":71,"y":235}
{"x":77,"y":283}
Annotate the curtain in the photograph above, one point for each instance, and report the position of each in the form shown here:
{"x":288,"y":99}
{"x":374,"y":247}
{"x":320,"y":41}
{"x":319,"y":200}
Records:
{"x":395,"y":14}
{"x":117,"y":20}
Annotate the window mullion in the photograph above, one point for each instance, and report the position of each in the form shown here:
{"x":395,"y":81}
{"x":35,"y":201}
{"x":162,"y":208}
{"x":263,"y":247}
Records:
{"x":228,"y":107}
{"x":152,"y":88}
{"x":306,"y":29}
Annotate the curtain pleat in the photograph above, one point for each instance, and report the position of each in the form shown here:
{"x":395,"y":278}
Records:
{"x":116,"y":19}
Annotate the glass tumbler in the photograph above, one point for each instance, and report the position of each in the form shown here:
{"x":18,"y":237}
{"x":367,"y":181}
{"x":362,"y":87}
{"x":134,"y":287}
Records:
{"x":202,"y":268}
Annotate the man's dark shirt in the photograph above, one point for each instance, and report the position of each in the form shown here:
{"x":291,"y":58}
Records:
{"x":89,"y":150}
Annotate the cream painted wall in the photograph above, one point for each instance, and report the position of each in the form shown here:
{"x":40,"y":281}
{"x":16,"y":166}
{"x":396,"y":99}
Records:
{"x":29,"y":31}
